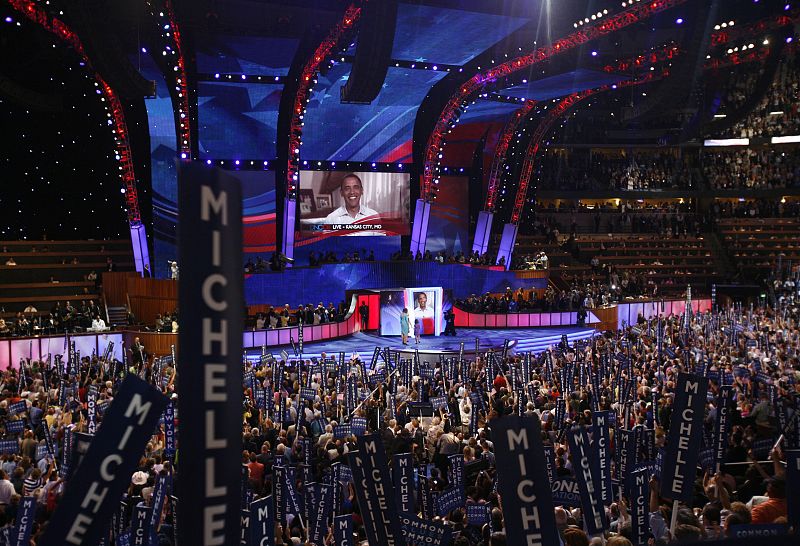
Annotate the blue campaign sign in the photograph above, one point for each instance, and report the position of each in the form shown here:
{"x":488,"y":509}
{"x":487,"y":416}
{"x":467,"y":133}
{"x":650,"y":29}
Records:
{"x":523,"y":482}
{"x":685,"y":434}
{"x":374,"y":496}
{"x":358,"y":425}
{"x":566,"y":493}
{"x":763,"y":530}
{"x":93,"y":493}
{"x":262,"y":524}
{"x":342,"y":431}
{"x":478,"y":514}
{"x":210,"y":296}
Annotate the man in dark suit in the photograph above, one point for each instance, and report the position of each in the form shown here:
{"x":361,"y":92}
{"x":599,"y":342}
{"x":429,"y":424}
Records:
{"x":363,"y":311}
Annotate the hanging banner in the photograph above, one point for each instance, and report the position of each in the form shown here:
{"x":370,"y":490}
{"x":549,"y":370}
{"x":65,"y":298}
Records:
{"x":585,"y":466}
{"x":211,"y":299}
{"x":685,"y":434}
{"x":371,"y":475}
{"x":522,"y":481}
{"x":84,"y":513}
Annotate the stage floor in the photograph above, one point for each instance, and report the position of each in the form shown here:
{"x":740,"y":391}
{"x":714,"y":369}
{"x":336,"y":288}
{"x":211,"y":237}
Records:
{"x":521,"y":340}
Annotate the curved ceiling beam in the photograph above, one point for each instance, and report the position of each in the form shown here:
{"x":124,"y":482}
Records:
{"x":33,"y":100}
{"x":544,"y":126}
{"x":173,"y":67}
{"x":373,"y":52}
{"x":686,"y":69}
{"x":113,"y":106}
{"x":499,"y":160}
{"x":666,"y":53}
{"x":452,"y":110}
{"x":90,"y":19}
{"x":307,"y":80}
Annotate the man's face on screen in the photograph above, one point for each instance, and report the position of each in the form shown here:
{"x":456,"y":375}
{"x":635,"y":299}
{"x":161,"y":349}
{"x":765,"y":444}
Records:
{"x":422,"y":299}
{"x":351,"y":192}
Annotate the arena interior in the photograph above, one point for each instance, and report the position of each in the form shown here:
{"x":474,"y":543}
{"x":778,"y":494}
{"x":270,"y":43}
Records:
{"x":400,"y":272}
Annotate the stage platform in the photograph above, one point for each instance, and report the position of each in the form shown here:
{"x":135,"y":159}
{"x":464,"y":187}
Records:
{"x":521,"y":340}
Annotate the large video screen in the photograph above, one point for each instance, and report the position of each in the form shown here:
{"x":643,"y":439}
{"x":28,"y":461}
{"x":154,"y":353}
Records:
{"x":362,"y":203}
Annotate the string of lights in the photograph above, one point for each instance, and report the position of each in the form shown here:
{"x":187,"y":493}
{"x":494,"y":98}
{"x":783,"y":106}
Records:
{"x":307,"y":81}
{"x":727,"y":32}
{"x":452,"y":110}
{"x":543,"y":127}
{"x":499,"y":160}
{"x":174,"y":69}
{"x":113,"y":106}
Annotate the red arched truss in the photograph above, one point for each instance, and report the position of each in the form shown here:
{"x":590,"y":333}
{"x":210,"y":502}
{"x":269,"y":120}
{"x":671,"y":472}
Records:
{"x":307,"y":80}
{"x":544,"y":126}
{"x":452,"y":110}
{"x":175,"y":72}
{"x":114,"y":107}
{"x":500,"y":151}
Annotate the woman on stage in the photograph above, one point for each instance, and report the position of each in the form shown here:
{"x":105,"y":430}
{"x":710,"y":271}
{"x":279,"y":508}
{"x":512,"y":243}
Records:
{"x":405,"y":325}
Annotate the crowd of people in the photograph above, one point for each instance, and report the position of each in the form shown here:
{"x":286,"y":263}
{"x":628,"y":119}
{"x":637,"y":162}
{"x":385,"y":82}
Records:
{"x":634,"y":170}
{"x":755,"y":208}
{"x":630,"y":374}
{"x":777,"y":113}
{"x":281,"y":317}
{"x":752,"y":168}
{"x":61,"y":318}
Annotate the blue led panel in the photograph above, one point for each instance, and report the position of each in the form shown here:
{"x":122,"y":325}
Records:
{"x":448,"y":36}
{"x":488,"y":110}
{"x":562,"y":84}
{"x":246,"y":55}
{"x":381,"y":131}
{"x":238,"y":120}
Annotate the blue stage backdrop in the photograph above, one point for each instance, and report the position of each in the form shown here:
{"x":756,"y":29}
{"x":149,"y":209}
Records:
{"x":380,"y":131}
{"x":449,"y":224}
{"x":238,"y":120}
{"x":252,"y":55}
{"x":258,"y":212}
{"x":163,"y":173}
{"x":329,"y":282}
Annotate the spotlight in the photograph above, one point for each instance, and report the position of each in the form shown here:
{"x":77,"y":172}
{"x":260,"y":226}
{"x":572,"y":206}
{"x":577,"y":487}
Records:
{"x":183,"y":155}
{"x":208,"y":162}
{"x":122,"y":190}
{"x":594,"y":53}
{"x":10,"y":20}
{"x":679,"y":21}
